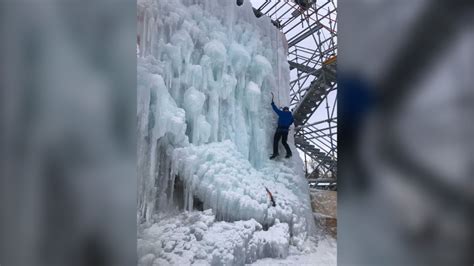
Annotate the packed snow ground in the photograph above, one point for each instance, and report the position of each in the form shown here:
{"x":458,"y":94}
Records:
{"x":317,"y":253}
{"x":196,"y":238}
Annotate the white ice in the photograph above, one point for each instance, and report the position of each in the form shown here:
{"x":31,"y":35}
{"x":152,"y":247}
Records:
{"x":205,"y":131}
{"x":197,"y":238}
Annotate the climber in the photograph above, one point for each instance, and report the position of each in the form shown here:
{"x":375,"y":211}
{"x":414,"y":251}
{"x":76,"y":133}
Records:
{"x":285,"y":119}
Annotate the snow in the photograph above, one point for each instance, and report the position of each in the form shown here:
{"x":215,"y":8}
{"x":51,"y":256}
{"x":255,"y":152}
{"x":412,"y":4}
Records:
{"x":253,"y":96}
{"x":197,"y":238}
{"x":225,"y":181}
{"x":260,"y":68}
{"x":193,"y":101}
{"x":317,"y":253}
{"x":239,"y":57}
{"x":205,"y":131}
{"x":216,"y":51}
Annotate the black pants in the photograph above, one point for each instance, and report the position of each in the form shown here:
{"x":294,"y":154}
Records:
{"x":283,"y":134}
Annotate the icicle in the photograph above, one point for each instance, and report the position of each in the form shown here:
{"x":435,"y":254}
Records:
{"x":186,"y":195}
{"x":173,"y":178}
{"x":190,"y":198}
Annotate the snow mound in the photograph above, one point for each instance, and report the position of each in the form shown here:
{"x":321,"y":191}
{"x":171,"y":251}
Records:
{"x":225,"y":181}
{"x":195,"y":238}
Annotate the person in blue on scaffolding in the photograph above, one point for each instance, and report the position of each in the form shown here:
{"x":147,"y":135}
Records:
{"x":285,"y":119}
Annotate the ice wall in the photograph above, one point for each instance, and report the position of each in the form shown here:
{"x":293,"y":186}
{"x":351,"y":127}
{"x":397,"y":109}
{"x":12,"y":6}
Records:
{"x":206,"y":70}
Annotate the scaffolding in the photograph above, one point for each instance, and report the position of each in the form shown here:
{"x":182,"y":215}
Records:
{"x":310,"y":27}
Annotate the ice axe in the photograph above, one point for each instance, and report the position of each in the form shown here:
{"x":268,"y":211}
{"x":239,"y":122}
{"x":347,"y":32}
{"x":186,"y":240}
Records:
{"x":271,"y":196}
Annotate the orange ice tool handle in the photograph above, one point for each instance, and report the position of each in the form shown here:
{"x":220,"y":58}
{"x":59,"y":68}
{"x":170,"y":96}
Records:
{"x":271,"y":197}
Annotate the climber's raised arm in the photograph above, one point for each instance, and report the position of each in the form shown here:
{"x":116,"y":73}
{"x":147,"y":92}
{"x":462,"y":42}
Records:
{"x":278,"y":111}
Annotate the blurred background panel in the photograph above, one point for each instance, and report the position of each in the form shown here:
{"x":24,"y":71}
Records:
{"x":67,"y":139}
{"x":406,"y":176}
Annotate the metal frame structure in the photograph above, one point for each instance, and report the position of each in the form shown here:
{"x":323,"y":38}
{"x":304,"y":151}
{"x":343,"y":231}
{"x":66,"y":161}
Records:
{"x":310,"y":27}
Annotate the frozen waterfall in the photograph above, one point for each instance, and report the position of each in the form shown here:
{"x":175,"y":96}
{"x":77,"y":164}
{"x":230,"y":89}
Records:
{"x":205,"y":126}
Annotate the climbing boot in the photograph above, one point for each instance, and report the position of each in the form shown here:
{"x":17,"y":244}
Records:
{"x":273,"y":156}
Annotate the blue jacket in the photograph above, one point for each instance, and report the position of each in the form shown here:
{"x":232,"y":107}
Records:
{"x":285,"y":119}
